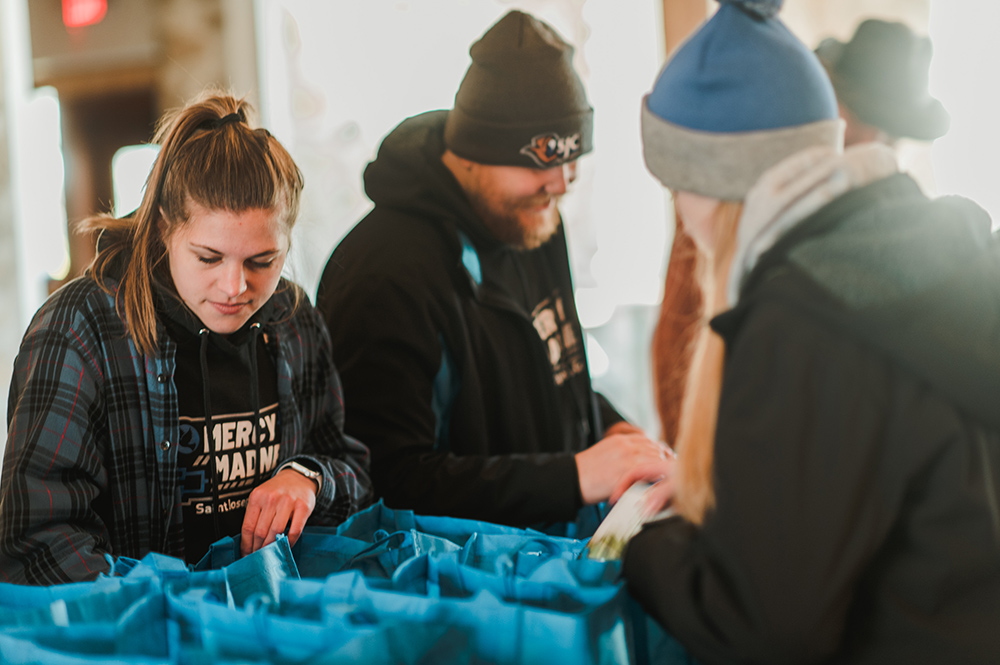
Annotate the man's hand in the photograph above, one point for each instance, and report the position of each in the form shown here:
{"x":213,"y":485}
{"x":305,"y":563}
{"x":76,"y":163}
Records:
{"x":602,"y":466}
{"x":288,"y":496}
{"x":660,"y":473}
{"x":623,"y":427}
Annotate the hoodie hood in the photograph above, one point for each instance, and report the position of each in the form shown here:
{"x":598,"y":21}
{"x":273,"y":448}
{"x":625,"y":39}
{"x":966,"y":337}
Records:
{"x":917,"y":279}
{"x":408,"y":174}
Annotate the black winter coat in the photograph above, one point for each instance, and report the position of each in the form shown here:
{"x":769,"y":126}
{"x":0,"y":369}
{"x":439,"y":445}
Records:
{"x":857,"y":452}
{"x":445,"y":376}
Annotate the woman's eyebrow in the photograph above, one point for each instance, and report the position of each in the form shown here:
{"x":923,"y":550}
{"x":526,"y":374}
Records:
{"x":267,"y":252}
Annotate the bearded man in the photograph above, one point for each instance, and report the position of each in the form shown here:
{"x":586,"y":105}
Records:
{"x":451,"y":308}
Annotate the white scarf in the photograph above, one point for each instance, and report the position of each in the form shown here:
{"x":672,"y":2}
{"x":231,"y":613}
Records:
{"x":795,"y":188}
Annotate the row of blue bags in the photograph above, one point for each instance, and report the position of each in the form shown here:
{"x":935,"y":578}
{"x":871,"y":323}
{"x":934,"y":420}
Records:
{"x":387,"y":586}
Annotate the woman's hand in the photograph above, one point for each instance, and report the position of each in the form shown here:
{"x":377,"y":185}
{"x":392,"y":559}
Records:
{"x":287,"y":497}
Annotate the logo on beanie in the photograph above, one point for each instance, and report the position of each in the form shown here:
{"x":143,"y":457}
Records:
{"x":551,"y":149}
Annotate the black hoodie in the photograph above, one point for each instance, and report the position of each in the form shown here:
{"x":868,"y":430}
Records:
{"x":226,"y":384}
{"x":438,"y":332}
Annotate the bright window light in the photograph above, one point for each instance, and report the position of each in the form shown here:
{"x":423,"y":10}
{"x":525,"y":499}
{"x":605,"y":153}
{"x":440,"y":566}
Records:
{"x":595,"y":306}
{"x":40,"y":160}
{"x":597,"y":358}
{"x":964,"y":36}
{"x":129,"y":170}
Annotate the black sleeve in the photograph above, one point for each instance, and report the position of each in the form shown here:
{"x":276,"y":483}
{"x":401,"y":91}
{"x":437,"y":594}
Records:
{"x":388,"y":348}
{"x":801,"y":505}
{"x":342,"y":459}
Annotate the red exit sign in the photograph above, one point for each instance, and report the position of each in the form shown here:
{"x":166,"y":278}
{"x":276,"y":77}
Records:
{"x":81,"y":13}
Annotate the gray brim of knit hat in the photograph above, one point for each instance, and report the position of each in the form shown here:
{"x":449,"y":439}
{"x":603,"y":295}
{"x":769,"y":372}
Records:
{"x":724,"y":165}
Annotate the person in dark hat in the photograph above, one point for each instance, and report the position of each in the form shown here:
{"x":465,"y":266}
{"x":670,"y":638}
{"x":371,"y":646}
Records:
{"x":880,"y":77}
{"x":451,"y":304}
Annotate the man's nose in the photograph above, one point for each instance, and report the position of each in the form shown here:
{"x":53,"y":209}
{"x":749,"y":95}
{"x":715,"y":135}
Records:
{"x":558,"y":178}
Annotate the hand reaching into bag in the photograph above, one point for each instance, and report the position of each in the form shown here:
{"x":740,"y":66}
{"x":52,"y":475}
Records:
{"x":288,"y":497}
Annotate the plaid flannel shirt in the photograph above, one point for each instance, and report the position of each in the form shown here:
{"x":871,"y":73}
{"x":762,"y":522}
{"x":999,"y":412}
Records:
{"x":90,"y":467}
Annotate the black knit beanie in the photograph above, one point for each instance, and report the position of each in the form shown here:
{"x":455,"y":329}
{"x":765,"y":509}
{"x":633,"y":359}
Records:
{"x":521,"y":102}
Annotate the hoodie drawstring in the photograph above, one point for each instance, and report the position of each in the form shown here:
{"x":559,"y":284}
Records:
{"x":207,"y":396}
{"x":254,"y":382}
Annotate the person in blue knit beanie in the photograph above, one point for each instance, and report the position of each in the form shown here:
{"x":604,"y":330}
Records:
{"x":838,"y":455}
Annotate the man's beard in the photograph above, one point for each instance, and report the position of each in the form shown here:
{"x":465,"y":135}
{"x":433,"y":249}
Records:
{"x":506,"y":224}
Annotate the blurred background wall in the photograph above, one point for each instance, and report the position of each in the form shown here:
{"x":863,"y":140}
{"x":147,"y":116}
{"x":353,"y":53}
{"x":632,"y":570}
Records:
{"x":83,"y":81}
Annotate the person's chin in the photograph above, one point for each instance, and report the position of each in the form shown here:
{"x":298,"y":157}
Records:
{"x":223,"y":324}
{"x":539,"y":229}
{"x":224,"y":327}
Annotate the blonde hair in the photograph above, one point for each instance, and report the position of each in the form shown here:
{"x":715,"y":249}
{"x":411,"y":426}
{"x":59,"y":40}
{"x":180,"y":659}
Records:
{"x":694,"y":493}
{"x":209,"y":155}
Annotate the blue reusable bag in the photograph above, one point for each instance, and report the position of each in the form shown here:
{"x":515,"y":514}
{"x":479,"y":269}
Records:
{"x":561,"y":626}
{"x":378,"y":517}
{"x":557,"y":583}
{"x":320,"y":551}
{"x":100,"y":601}
{"x":114,"y":622}
{"x":516,"y":554}
{"x":22,"y":596}
{"x":256,"y":573}
{"x":297,"y":630}
{"x":221,"y":553}
{"x":386,"y":587}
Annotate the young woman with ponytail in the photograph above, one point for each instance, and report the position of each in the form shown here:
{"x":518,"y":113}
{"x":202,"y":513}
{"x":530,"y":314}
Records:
{"x":181,"y":390}
{"x":838,"y":447}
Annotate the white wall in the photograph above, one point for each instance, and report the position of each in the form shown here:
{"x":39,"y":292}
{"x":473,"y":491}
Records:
{"x":964,"y":77}
{"x":14,"y":89}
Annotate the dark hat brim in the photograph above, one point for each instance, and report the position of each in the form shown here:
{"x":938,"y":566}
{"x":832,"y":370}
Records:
{"x":924,"y":120}
{"x":880,"y":75}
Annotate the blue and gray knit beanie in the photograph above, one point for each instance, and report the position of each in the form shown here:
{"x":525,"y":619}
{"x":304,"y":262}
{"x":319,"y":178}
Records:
{"x":736,"y":98}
